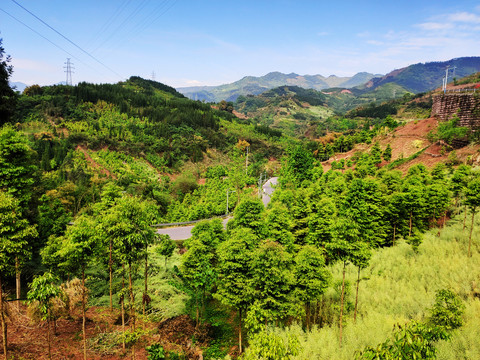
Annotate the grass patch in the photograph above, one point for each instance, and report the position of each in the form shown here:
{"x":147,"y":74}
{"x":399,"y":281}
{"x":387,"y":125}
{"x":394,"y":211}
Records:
{"x":399,"y":286}
{"x":401,"y":161}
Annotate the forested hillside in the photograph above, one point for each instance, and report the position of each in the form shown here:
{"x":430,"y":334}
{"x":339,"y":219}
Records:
{"x":362,"y":253}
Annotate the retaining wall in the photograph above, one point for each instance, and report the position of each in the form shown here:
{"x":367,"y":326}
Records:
{"x":465,"y":106}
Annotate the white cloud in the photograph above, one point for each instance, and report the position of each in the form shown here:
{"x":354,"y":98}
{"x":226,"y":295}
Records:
{"x":375,"y":42}
{"x":364,"y":34}
{"x":27,"y":64}
{"x":465,"y":17}
{"x":435,"y":26}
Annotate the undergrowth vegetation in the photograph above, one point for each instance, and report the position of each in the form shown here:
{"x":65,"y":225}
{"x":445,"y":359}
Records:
{"x":399,"y":286}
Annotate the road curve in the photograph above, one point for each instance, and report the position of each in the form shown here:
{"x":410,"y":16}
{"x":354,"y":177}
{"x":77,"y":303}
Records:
{"x":185,"y":232}
{"x":268,"y":189}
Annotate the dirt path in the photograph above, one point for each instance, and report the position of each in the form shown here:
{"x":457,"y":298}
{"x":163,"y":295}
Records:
{"x":93,"y":163}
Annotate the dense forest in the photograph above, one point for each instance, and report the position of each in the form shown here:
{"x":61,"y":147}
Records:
{"x":357,"y":261}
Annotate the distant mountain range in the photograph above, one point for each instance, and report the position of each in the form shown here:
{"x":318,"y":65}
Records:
{"x":251,"y":85}
{"x":18,"y":86}
{"x":424,"y":77}
{"x":415,"y":78}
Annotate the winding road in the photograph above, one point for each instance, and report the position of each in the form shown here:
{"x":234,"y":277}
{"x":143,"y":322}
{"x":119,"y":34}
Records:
{"x":185,"y":232}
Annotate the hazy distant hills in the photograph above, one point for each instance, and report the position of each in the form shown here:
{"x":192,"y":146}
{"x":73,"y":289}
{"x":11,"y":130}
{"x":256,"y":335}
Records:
{"x":415,"y":78}
{"x":18,"y":86}
{"x":251,"y":85}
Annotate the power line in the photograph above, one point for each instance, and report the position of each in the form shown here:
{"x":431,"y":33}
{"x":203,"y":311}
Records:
{"x":131,"y":15}
{"x":159,"y":16}
{"x":112,"y":18}
{"x":70,"y":41}
{"x":51,"y":42}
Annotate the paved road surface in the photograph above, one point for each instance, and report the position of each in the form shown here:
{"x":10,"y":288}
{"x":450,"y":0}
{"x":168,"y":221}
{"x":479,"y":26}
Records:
{"x":268,"y":189}
{"x":185,"y":232}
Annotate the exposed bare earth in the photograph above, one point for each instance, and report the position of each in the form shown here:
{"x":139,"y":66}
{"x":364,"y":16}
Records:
{"x":28,"y":340}
{"x":410,"y":139}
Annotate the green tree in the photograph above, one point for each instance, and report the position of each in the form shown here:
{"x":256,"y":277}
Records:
{"x":298,"y":166}
{"x":15,"y":233}
{"x":210,"y":232}
{"x":166,"y":247}
{"x":437,"y":200}
{"x":387,"y":153}
{"x":311,"y":276}
{"x":459,"y":181}
{"x":396,"y":216}
{"x":376,"y":154}
{"x":360,"y":258}
{"x":472,"y":199}
{"x":17,"y":169}
{"x":321,"y":221}
{"x":7,"y":95}
{"x":360,"y":224}
{"x":42,"y":290}
{"x":235,"y":273}
{"x":52,"y":217}
{"x":414,"y":340}
{"x":447,"y":310}
{"x":273,"y":282}
{"x":128,"y":223}
{"x":198,"y":274}
{"x":75,"y":252}
{"x":414,"y":201}
{"x":362,"y":208}
{"x":110,"y":194}
{"x":250,"y":214}
{"x":279,"y":226}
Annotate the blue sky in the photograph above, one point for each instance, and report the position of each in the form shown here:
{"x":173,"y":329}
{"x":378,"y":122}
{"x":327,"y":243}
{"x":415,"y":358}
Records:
{"x":188,"y":43}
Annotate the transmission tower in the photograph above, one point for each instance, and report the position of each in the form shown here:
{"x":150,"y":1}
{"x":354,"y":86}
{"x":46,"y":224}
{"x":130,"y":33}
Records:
{"x":153,"y":75}
{"x":69,"y":70}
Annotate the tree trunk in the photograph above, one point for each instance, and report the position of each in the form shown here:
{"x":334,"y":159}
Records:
{"x":144,"y":299}
{"x":356,"y":297}
{"x":48,"y":338}
{"x":240,"y":330}
{"x":18,"y":281}
{"x":464,"y":217}
{"x":470,"y":237}
{"x":122,"y":300}
{"x":307,"y":316}
{"x":394,"y":231}
{"x":110,"y":269}
{"x":84,"y":315}
{"x":4,"y":323}
{"x":132,"y":304}
{"x":198,"y":312}
{"x":341,"y":302}
{"x":410,"y":226}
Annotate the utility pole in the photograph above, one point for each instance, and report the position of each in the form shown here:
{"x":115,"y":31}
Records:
{"x":246,"y":161}
{"x":260,"y":184}
{"x":68,"y":70}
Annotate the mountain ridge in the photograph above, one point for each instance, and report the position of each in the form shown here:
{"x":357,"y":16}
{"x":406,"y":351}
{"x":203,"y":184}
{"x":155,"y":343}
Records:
{"x":253,"y":85}
{"x":415,"y":78}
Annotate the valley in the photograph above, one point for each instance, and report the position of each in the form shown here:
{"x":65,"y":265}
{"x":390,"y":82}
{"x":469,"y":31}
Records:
{"x":352,"y":233}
